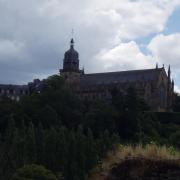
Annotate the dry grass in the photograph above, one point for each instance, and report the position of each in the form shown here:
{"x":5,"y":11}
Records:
{"x":150,"y":151}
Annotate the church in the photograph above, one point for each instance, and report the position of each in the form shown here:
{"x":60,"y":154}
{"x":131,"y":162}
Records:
{"x":155,"y":86}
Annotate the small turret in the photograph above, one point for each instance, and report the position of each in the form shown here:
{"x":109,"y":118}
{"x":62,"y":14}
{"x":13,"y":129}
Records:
{"x":156,"y":65}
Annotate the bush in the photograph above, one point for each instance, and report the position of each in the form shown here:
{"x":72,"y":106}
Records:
{"x":33,"y":172}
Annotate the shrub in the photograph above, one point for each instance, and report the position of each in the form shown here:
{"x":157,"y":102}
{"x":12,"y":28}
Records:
{"x":33,"y":172}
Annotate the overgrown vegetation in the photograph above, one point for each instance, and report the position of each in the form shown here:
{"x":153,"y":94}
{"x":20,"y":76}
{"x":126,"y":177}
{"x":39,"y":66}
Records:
{"x":70,"y":136}
{"x":122,"y":153}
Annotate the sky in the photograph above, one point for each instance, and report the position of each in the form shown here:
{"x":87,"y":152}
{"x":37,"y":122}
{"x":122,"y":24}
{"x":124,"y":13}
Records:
{"x":110,"y":35}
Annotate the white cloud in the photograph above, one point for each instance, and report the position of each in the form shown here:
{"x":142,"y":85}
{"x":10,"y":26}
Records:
{"x":166,"y":49}
{"x":44,"y":27}
{"x":177,"y":89}
{"x":125,"y":56}
{"x":125,"y":18}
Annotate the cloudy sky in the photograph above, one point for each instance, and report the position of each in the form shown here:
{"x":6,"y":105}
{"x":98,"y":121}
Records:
{"x":110,"y":35}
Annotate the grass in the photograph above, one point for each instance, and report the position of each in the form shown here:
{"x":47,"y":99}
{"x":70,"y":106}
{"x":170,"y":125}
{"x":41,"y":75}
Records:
{"x":122,"y":152}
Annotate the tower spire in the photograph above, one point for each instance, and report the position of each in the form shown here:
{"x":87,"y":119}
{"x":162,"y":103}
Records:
{"x":169,"y":72}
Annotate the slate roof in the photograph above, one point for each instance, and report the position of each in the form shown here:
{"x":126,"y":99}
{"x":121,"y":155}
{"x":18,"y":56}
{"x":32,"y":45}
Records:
{"x":119,"y":77}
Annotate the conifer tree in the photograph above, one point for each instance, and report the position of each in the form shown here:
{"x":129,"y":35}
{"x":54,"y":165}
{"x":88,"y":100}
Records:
{"x":62,"y":149}
{"x":72,"y":166}
{"x":7,"y":160}
{"x":50,"y":148}
{"x":80,"y":156}
{"x":40,"y":143}
{"x":91,"y":151}
{"x":30,"y":145}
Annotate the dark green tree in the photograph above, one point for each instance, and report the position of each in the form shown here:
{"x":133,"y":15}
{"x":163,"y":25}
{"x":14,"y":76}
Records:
{"x":30,"y":145}
{"x":34,"y":172}
{"x":91,"y":151}
{"x":174,"y":139}
{"x":50,"y":148}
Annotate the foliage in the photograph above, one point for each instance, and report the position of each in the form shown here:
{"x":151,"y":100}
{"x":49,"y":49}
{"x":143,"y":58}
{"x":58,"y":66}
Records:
{"x":70,"y":136}
{"x":175,"y":139}
{"x":122,"y":153}
{"x":33,"y":172}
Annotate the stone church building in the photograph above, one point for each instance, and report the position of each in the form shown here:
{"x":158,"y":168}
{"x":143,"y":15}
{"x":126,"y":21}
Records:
{"x":154,"y":85}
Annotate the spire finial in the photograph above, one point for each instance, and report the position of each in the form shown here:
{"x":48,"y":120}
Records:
{"x":72,"y":43}
{"x":72,"y":40}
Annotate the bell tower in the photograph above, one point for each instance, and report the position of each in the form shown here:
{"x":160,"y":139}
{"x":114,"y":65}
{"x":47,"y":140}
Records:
{"x":70,"y":71}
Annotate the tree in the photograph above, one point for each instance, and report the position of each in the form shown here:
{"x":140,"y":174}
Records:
{"x":72,"y":166}
{"x":40,"y":143}
{"x":62,"y":149}
{"x":48,"y":116}
{"x":129,"y":120}
{"x":30,"y":145}
{"x":175,"y":139}
{"x":91,"y":151}
{"x":50,"y":148}
{"x":80,"y":154}
{"x":33,"y":172}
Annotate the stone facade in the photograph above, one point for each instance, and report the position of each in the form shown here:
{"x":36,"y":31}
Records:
{"x":154,"y":85}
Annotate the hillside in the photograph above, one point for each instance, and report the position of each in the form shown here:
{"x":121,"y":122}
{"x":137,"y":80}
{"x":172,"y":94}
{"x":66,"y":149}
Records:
{"x":145,"y":163}
{"x":70,"y":136}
